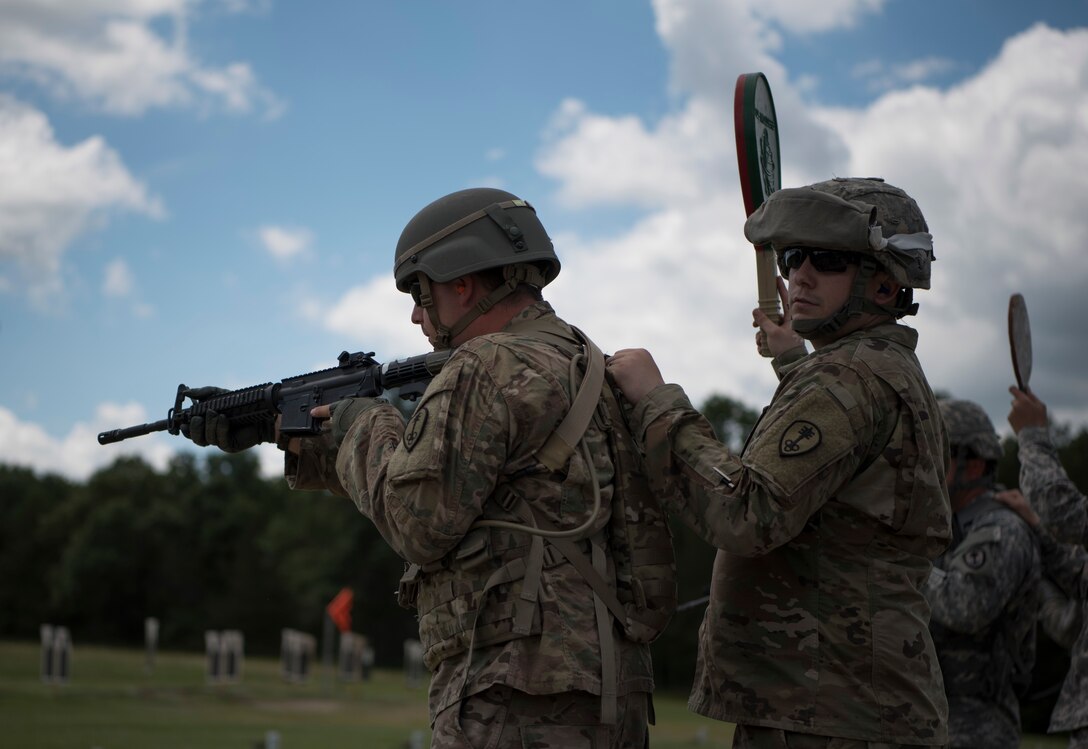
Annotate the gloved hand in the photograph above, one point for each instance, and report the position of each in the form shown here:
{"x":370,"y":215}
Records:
{"x":214,"y":428}
{"x":343,"y":413}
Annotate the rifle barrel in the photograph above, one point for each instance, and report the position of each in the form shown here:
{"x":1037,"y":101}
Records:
{"x":116,"y":435}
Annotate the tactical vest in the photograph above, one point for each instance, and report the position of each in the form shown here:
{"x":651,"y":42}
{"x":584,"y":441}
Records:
{"x":628,"y":562}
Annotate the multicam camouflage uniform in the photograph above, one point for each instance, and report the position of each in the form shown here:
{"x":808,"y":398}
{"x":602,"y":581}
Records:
{"x":826,"y":526}
{"x":984,"y":594}
{"x":468,"y":447}
{"x":1064,"y":512}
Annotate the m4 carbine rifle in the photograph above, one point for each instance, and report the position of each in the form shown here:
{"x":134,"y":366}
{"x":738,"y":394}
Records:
{"x":357,"y":375}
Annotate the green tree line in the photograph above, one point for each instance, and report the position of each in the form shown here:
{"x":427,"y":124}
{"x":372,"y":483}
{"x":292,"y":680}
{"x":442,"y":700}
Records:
{"x":206,"y":544}
{"x":210,"y":544}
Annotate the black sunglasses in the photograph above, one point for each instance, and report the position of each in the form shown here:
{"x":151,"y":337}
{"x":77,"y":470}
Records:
{"x":417,"y":293}
{"x":824,"y":261}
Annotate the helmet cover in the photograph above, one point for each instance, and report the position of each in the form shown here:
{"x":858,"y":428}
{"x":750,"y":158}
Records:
{"x":969,"y":428}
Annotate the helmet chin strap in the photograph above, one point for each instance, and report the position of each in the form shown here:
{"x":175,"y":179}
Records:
{"x":857,"y":304}
{"x":513,"y":276}
{"x":442,"y":334}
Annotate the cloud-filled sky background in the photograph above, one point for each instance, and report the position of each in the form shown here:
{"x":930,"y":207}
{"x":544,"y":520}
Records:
{"x":210,"y":192}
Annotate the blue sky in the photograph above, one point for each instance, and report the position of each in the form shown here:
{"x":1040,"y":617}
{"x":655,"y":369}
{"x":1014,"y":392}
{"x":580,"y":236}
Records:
{"x":210,"y":192}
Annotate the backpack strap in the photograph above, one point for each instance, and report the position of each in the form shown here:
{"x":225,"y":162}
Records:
{"x":593,"y":568}
{"x":557,"y":450}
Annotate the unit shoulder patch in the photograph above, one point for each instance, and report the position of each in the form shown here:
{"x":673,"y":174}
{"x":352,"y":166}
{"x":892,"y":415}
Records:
{"x":414,"y":429}
{"x":798,"y":438}
{"x":975,"y":558}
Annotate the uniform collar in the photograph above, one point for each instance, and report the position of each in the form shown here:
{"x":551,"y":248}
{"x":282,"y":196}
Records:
{"x":534,"y":311}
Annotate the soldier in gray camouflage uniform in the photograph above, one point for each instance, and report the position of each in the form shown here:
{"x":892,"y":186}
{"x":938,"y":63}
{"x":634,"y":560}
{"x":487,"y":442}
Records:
{"x":984,"y":592}
{"x":1064,"y":513}
{"x":827,"y":523}
{"x":521,"y":648}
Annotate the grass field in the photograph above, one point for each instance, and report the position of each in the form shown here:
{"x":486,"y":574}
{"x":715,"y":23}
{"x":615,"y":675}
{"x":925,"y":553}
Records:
{"x":112,"y":702}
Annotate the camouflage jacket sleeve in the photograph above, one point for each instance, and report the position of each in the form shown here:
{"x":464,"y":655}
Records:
{"x":314,"y":468}
{"x":1064,"y":564}
{"x":787,"y":360}
{"x":752,"y":503}
{"x":423,"y":484}
{"x":973,"y":583}
{"x":1059,"y":615}
{"x":1047,"y":486}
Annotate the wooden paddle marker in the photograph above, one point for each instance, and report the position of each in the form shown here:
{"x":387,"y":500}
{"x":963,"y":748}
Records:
{"x":1020,"y":341}
{"x":759,"y":162}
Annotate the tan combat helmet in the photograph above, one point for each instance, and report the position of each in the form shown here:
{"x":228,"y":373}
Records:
{"x":879,"y":222}
{"x":470,"y":231}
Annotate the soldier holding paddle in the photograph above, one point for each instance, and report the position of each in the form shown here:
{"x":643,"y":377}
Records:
{"x":1062,"y":522}
{"x":816,"y":633}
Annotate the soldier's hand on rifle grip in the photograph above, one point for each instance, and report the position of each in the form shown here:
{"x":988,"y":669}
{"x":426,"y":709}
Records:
{"x":293,"y":445}
{"x":779,"y":337}
{"x":343,"y":413}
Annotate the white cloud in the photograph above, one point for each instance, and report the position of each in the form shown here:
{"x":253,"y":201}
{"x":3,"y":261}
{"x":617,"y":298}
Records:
{"x":117,"y":280}
{"x":77,"y":454}
{"x":375,"y":316}
{"x":119,"y":283}
{"x":805,"y":17}
{"x":51,"y":193}
{"x":284,"y":243}
{"x":689,"y":154}
{"x":110,"y":53}
{"x":711,"y":41}
{"x":999,"y":164}
{"x":270,"y":460}
{"x":881,"y":77}
{"x":600,"y":159}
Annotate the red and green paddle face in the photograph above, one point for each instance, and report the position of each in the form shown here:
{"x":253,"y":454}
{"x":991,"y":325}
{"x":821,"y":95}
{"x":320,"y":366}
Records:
{"x":756,"y":129}
{"x":760,"y":175}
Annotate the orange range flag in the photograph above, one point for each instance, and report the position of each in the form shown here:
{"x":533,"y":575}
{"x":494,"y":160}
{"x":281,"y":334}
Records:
{"x":339,"y":609}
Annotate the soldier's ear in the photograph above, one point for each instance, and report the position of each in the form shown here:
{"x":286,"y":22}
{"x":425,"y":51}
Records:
{"x":464,"y":287}
{"x":887,"y":291}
